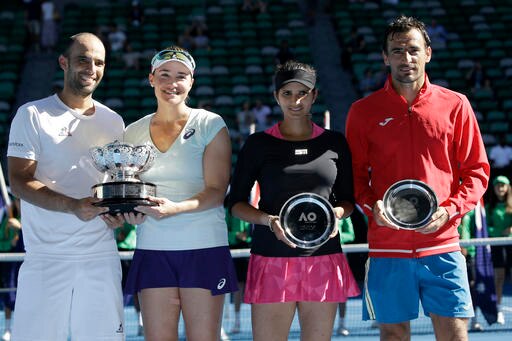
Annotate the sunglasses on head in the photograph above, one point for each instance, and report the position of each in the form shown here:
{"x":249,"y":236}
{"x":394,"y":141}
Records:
{"x":174,"y":54}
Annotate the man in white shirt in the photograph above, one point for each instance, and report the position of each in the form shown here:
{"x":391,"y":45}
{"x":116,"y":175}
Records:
{"x":500,"y":157}
{"x":70,"y":280}
{"x":261,"y":113}
{"x":116,"y":38}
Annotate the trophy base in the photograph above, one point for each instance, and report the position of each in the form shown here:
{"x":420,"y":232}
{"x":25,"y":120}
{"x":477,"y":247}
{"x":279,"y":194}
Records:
{"x":123,"y":205}
{"x":123,"y":196}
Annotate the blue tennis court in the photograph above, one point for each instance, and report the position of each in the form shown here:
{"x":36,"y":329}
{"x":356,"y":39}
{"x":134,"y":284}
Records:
{"x":360,"y":330}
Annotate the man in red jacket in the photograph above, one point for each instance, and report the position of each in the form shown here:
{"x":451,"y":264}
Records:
{"x":412,"y":129}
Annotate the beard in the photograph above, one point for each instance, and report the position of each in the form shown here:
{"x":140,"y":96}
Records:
{"x":408,"y":78}
{"x":77,"y":86}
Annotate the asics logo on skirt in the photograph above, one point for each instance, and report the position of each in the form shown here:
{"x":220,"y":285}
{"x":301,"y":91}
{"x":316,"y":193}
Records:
{"x":221,"y":284}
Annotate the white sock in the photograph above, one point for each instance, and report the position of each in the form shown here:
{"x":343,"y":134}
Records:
{"x":140,"y":319}
{"x":7,"y":324}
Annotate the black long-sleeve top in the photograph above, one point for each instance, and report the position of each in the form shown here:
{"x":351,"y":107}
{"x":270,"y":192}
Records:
{"x":282,"y":168}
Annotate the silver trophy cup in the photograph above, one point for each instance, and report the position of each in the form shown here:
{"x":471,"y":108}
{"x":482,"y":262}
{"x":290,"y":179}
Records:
{"x":409,"y":204}
{"x":123,"y":190}
{"x":308,"y":220}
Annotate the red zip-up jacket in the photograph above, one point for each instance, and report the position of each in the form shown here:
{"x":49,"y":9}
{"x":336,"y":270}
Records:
{"x":436,"y":140}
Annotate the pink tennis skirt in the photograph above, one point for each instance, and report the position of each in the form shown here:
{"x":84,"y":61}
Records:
{"x":299,"y":279}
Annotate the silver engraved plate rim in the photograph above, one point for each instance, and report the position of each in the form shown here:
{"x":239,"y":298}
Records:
{"x":307,"y":197}
{"x":408,"y":184}
{"x":123,"y":190}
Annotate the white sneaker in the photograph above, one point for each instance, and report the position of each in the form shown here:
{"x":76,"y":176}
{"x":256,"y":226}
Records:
{"x":476,"y":327}
{"x":7,"y":335}
{"x":342,"y":330}
{"x":223,"y":335}
{"x":501,"y":318}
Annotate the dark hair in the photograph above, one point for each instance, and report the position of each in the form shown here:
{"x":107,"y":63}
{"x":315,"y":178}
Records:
{"x":293,"y":65}
{"x":403,"y":24}
{"x":493,"y":201}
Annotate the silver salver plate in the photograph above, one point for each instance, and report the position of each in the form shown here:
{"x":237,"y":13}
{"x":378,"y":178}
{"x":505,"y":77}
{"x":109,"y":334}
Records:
{"x":410,"y":204}
{"x":308,"y":220}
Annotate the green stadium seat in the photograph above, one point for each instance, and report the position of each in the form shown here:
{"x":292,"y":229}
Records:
{"x":487,"y":105}
{"x":496,"y":115}
{"x":507,"y":104}
{"x":7,"y":90}
{"x":499,"y":127}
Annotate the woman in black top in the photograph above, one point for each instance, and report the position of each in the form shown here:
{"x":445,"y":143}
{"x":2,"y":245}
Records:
{"x":292,"y":157}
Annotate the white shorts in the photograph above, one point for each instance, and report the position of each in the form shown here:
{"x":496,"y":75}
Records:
{"x":81,"y":297}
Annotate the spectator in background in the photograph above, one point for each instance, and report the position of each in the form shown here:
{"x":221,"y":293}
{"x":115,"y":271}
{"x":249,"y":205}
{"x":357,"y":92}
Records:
{"x":136,"y":13}
{"x":198,"y":29}
{"x":479,"y":266}
{"x":355,"y":43}
{"x":49,"y":25}
{"x":486,"y":91}
{"x":116,"y":38}
{"x":499,"y":224}
{"x":33,"y":22}
{"x":367,"y":84}
{"x":467,"y":231}
{"x":500,"y":156}
{"x":437,"y":34}
{"x":239,"y":236}
{"x":247,"y":6}
{"x":254,"y":6}
{"x":131,"y":57}
{"x":381,"y":76}
{"x":198,"y":23}
{"x":186,"y":40}
{"x":11,"y":240}
{"x":261,"y":114}
{"x":285,"y":53}
{"x":102,"y":33}
{"x":347,"y":235}
{"x":391,"y":2}
{"x":201,"y":40}
{"x":246,"y":122}
{"x":476,"y":76}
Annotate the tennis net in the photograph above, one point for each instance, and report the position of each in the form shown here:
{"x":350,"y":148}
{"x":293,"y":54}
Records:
{"x":356,"y":254}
